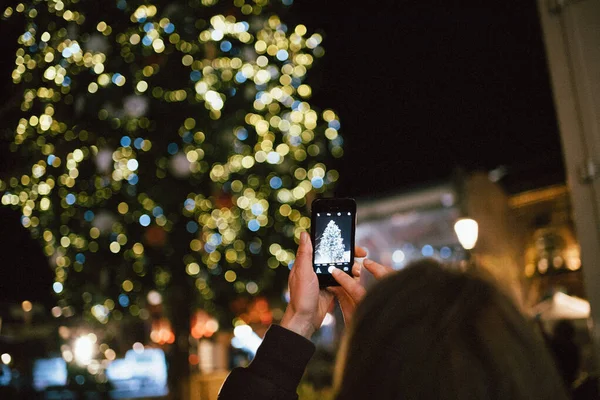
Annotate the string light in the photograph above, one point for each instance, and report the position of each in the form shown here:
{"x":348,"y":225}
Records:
{"x":165,"y":126}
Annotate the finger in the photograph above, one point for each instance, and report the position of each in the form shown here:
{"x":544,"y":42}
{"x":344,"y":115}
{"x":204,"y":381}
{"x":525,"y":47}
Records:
{"x":360,"y":252}
{"x":326,"y":298}
{"x":346,"y":302}
{"x":356,"y":269}
{"x":378,"y":270}
{"x":354,"y":289}
{"x":303,"y":262}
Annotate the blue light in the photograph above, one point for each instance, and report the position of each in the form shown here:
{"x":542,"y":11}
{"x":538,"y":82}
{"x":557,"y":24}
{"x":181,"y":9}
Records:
{"x":253,"y":225}
{"x":445,"y":252}
{"x":133,"y":179}
{"x":147,"y":40}
{"x":195,"y":76}
{"x":240,"y":78}
{"x":254,"y":247}
{"x":157,"y":211}
{"x":295,"y":140}
{"x":144,"y":220}
{"x":70,"y":199}
{"x":137,"y":143}
{"x":58,"y":287}
{"x":189,"y":204}
{"x":80,"y":258}
{"x":27,"y":36}
{"x":215,"y":239}
{"x":226,"y":45}
{"x":172,"y":148}
{"x":317,"y":182}
{"x":275,"y":182}
{"x":282,"y":55}
{"x":148,"y":27}
{"x":115,"y":77}
{"x":88,"y":216}
{"x":191,"y":227}
{"x":125,"y":141}
{"x":187,"y":137}
{"x":296,"y":104}
{"x":209,"y":248}
{"x":51,"y":159}
{"x":427,"y":250}
{"x":123,"y":300}
{"x":242,"y":134}
{"x":291,"y":264}
{"x":170,"y":28}
{"x":257,"y":209}
{"x":66,"y":53}
{"x":66,"y":81}
{"x":335,"y":124}
{"x":121,"y":4}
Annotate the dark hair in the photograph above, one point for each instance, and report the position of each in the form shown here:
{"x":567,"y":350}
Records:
{"x":428,"y":332}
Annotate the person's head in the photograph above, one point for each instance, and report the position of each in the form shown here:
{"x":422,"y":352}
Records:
{"x":428,"y":332}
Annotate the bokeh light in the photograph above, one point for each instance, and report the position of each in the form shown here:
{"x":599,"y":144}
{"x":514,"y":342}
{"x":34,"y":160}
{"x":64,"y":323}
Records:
{"x":165,"y":145}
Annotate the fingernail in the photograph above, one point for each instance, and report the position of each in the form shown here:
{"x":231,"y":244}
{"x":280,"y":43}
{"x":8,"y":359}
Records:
{"x":303,"y":237}
{"x":335,"y":271}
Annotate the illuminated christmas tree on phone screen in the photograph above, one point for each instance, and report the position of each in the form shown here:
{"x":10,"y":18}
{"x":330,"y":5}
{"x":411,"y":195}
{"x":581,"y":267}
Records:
{"x":331,"y":245}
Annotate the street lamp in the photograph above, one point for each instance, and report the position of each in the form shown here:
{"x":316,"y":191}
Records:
{"x":467,"y":231}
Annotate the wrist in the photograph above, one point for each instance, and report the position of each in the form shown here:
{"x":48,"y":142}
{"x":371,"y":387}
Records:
{"x":297,"y":323}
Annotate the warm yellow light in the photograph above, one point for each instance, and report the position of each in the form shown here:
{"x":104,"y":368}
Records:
{"x":27,"y":306}
{"x":467,"y":231}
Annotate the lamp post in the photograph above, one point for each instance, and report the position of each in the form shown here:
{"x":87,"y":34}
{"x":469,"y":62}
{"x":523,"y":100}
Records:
{"x":467,"y":231}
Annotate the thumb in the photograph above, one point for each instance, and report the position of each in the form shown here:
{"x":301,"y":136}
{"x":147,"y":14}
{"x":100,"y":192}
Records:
{"x":304,"y":254}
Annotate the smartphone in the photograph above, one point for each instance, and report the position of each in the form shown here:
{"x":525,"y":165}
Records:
{"x":333,"y":224}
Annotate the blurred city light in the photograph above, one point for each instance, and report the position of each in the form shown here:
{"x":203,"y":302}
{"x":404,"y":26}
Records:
{"x":84,"y":348}
{"x":245,"y":339}
{"x":27,"y":306}
{"x":6,"y":358}
{"x":467,"y":231}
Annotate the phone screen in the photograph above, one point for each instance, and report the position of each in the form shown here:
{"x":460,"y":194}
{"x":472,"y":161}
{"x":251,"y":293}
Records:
{"x":333,"y":236}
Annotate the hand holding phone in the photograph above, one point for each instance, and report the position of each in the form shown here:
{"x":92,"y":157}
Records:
{"x":332,"y":232}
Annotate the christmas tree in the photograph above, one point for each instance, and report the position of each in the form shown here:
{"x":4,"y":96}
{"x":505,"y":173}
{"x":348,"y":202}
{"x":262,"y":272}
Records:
{"x":331,"y":245}
{"x":165,"y":146}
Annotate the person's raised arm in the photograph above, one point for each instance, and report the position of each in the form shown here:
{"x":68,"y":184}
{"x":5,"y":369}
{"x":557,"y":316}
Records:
{"x":279,"y":364}
{"x":308,"y":303}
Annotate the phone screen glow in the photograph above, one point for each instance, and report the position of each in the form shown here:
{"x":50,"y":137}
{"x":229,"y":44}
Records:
{"x":332,"y":247}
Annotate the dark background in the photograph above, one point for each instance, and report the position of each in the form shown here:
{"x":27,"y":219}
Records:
{"x":421,"y":87}
{"x":424,"y":86}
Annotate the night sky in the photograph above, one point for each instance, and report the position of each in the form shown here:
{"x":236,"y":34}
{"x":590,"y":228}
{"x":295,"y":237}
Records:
{"x":421,"y":87}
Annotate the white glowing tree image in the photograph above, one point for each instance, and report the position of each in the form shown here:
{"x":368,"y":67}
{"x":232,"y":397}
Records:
{"x":331,"y":246}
